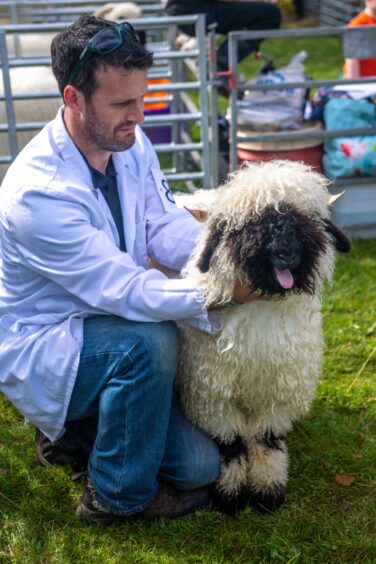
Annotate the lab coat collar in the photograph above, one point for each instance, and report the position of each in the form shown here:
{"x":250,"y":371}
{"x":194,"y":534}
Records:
{"x":68,"y":151}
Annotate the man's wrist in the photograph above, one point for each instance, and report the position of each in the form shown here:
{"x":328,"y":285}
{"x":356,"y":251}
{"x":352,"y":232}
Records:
{"x":232,"y":303}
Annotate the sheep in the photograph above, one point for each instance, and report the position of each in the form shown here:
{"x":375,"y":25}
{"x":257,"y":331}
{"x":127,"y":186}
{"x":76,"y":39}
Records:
{"x":28,"y":80}
{"x":30,"y":43}
{"x":125,"y":10}
{"x":269,"y":229}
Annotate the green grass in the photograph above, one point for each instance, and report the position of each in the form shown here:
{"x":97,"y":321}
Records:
{"x":324,"y":56}
{"x":321,"y":521}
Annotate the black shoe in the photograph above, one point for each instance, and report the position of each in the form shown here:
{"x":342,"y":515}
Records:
{"x":49,"y":454}
{"x":169,"y":502}
{"x":89,"y":508}
{"x":174,"y":504}
{"x":224,"y":90}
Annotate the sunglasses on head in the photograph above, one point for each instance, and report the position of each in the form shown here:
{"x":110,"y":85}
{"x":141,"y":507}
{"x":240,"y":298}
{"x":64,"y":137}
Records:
{"x":104,"y":42}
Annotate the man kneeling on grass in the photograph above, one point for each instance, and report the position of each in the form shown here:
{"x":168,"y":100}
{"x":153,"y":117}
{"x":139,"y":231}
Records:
{"x":88,"y":343}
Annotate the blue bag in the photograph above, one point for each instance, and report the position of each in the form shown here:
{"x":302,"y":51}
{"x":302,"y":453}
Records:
{"x":349,"y":156}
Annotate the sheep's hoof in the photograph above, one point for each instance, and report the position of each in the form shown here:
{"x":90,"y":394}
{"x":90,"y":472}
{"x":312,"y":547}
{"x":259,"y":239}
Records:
{"x":267,"y":502}
{"x":231,"y":503}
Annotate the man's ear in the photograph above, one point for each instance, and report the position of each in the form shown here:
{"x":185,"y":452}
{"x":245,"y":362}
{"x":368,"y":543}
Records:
{"x":341,"y":242}
{"x":72,"y":98}
{"x":212,"y":243}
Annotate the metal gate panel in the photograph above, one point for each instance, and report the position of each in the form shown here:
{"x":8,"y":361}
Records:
{"x":167,"y":60}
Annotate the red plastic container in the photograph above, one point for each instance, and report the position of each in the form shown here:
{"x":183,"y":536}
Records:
{"x":309,"y":151}
{"x":311,"y":156}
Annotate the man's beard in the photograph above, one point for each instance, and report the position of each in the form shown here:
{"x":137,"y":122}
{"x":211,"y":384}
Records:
{"x":97,"y":135}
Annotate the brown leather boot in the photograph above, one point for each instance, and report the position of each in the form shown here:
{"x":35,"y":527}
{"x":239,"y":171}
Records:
{"x":49,"y":454}
{"x":172,"y":503}
{"x":169,"y":502}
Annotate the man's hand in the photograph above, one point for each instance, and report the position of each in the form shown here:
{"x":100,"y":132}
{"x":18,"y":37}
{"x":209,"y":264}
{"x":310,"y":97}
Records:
{"x":241,"y":295}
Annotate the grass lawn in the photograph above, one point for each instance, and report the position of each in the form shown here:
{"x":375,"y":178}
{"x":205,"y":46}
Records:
{"x":330,"y":511}
{"x":324,"y":58}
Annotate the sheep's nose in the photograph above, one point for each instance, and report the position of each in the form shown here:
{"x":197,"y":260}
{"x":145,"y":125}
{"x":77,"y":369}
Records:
{"x":287,"y":259}
{"x":286,"y":256}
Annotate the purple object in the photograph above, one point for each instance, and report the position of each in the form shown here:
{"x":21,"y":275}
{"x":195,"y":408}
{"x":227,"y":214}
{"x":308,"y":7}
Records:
{"x":158,"y":134}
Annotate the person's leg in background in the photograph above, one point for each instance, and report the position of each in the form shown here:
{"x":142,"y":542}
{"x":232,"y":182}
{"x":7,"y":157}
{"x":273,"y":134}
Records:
{"x":230,"y":16}
{"x":299,"y":8}
{"x":187,"y":8}
{"x":238,"y":16}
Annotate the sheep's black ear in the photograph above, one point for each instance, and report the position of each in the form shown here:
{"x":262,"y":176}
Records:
{"x":212,"y":243}
{"x":341,"y":242}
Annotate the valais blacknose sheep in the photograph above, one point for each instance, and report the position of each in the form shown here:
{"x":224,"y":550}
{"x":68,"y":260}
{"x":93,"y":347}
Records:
{"x":269,"y":229}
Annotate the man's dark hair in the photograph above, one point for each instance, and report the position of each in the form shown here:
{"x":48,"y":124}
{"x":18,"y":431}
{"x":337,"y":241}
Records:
{"x":68,"y":45}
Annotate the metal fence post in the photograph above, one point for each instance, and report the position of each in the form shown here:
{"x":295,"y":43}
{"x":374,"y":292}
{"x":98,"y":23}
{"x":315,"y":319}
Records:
{"x":213,"y":89}
{"x":203,"y":78}
{"x":14,"y":20}
{"x":233,"y":62}
{"x":200,"y":151}
{"x":12,"y":132}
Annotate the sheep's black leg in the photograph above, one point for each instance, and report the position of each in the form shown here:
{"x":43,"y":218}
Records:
{"x":252,"y":474}
{"x":273,"y":441}
{"x":271,"y":447}
{"x":230,"y":451}
{"x":230,"y":502}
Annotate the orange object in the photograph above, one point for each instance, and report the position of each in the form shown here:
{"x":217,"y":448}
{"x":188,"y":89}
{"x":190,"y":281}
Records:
{"x":162,"y":94}
{"x":367,"y":66}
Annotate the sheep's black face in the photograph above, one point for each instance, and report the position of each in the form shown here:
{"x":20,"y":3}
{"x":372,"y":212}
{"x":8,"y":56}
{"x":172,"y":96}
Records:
{"x":279,"y":251}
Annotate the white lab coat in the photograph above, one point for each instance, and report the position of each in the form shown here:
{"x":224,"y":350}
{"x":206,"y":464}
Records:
{"x":60,"y":264}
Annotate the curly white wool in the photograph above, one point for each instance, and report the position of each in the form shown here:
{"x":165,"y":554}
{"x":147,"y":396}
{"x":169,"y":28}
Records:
{"x":259,"y":374}
{"x":246,"y":195}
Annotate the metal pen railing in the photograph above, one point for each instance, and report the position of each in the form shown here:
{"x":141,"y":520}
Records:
{"x":167,"y":60}
{"x":24,"y":11}
{"x":356,"y":42}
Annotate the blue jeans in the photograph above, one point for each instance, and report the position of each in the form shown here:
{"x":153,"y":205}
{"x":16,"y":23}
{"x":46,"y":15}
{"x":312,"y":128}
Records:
{"x":134,"y":427}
